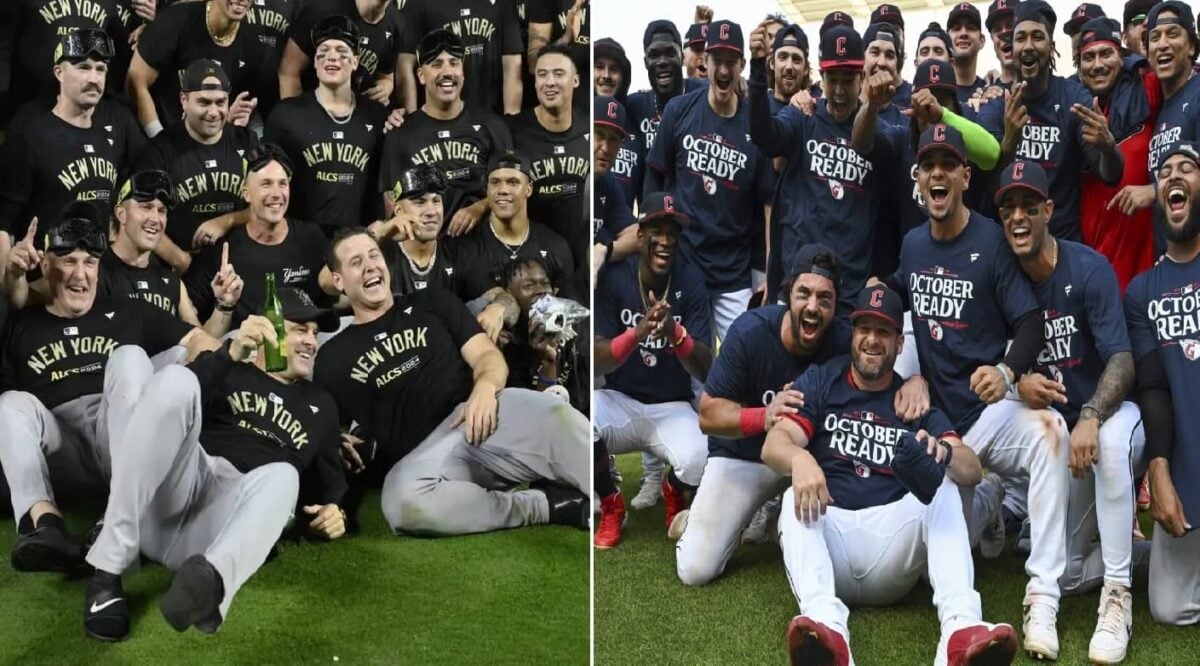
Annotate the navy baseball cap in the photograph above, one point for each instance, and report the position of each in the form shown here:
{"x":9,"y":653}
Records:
{"x":941,"y":136}
{"x":1081,"y":15}
{"x":1023,"y":175}
{"x":999,"y":9}
{"x":201,"y":70}
{"x":1185,"y":20}
{"x":879,"y":301}
{"x":886,"y":13}
{"x":806,"y":261}
{"x":833,"y":19}
{"x":964,"y":11}
{"x":610,"y":113}
{"x":661,"y":27}
{"x":934,"y":74}
{"x":1036,"y":10}
{"x":935,"y":30}
{"x":1101,"y":30}
{"x":1137,"y":10}
{"x":791,"y":35}
{"x":881,"y":32}
{"x":841,"y":48}
{"x":610,"y":47}
{"x":697,"y":35}
{"x":1185,"y":148}
{"x":725,"y":35}
{"x":661,"y":206}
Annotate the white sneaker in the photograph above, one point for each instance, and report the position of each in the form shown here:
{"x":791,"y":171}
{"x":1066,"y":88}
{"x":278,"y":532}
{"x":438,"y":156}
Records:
{"x":991,"y":542}
{"x":762,"y":527}
{"x":678,"y":525}
{"x":650,"y":492}
{"x":1040,"y":631}
{"x":1114,"y":626}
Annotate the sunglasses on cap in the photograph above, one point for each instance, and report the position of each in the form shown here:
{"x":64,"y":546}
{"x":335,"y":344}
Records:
{"x":438,"y":41}
{"x":336,"y":27}
{"x":82,"y":44}
{"x":76,"y":233}
{"x":264,"y":155}
{"x":148,"y":186}
{"x":419,"y":181}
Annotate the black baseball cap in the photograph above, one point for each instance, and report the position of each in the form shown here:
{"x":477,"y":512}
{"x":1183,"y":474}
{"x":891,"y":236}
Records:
{"x":82,"y":44}
{"x":661,"y":206}
{"x":835,"y":19}
{"x":1036,"y":10}
{"x":298,"y":307}
{"x":941,"y":136}
{"x":1185,"y":148}
{"x":841,"y":48}
{"x":964,"y":11}
{"x":148,"y":185}
{"x":337,"y":27}
{"x":609,"y":112}
{"x":1185,"y":20}
{"x":1137,"y":8}
{"x":697,"y":35}
{"x":417,"y":181}
{"x":80,"y":226}
{"x":1023,"y":175}
{"x":725,"y":35}
{"x":886,"y":13}
{"x":607,"y":46}
{"x":1080,"y":15}
{"x":999,"y":9}
{"x":879,"y":301}
{"x":438,"y":41}
{"x":664,"y":27}
{"x":806,"y":261}
{"x":935,"y":30}
{"x":1102,"y":30}
{"x":199,"y":71}
{"x":266,"y":153}
{"x":791,"y":35}
{"x":881,"y":31}
{"x":934,"y":74}
{"x":510,"y":159}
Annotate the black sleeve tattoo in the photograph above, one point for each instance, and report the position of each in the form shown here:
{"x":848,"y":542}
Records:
{"x":1115,"y":384}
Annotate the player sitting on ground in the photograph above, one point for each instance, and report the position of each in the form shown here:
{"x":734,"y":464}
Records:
{"x":875,"y":503}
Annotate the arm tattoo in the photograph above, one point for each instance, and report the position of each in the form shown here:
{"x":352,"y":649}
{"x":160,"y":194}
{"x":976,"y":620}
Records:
{"x":1115,"y":384}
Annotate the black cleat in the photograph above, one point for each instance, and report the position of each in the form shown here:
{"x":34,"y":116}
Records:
{"x":568,"y":506}
{"x":105,"y":610}
{"x":195,"y":596}
{"x":46,"y":548}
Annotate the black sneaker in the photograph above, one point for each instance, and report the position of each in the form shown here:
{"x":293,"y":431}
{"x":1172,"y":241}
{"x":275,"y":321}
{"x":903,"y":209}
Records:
{"x":195,"y":596}
{"x":105,"y":610}
{"x":568,"y":506}
{"x":46,"y":548}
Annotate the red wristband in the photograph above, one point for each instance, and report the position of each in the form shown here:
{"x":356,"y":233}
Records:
{"x":623,"y":344}
{"x":752,"y":421}
{"x":684,"y":347}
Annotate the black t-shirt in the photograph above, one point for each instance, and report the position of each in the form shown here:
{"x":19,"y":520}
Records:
{"x":379,"y":45}
{"x":441,"y":273}
{"x":335,"y":161}
{"x":296,"y":263}
{"x":47,"y":163}
{"x":460,"y":148}
{"x":207,"y":178}
{"x":58,"y":359}
{"x":561,"y":162}
{"x":252,"y":420}
{"x":402,"y":374}
{"x":156,"y":284}
{"x":489,"y":29}
{"x":555,"y":13}
{"x":270,"y":20}
{"x":177,"y":37}
{"x":482,"y":256}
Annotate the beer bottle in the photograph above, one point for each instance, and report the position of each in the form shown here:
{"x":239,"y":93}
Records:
{"x":275,"y":356}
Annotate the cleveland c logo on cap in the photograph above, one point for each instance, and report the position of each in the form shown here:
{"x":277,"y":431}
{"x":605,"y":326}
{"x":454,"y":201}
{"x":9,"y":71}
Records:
{"x":939,"y":132}
{"x":935,"y":73}
{"x":724,"y":31}
{"x":840,"y":46}
{"x":612,"y":110}
{"x":1082,"y":11}
{"x":1018,"y":171}
{"x":704,"y":31}
{"x":669,"y":203}
{"x":877,"y":298}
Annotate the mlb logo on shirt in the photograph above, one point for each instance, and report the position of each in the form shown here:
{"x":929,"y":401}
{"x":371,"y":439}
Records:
{"x":210,"y":164}
{"x":1191,"y":349}
{"x":275,"y":399}
{"x":1187,"y":289}
{"x":142,"y":284}
{"x":339,"y":135}
{"x":861,"y":470}
{"x":559,"y":150}
{"x":71,"y":330}
{"x":464,"y":12}
{"x":868,"y":416}
{"x":87,"y":148}
{"x":443,"y":134}
{"x":380,"y":336}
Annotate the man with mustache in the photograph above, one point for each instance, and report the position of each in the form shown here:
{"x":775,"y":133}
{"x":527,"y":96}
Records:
{"x":966,"y":293}
{"x":612,"y":72}
{"x":874,"y":502}
{"x":447,"y":133}
{"x":790,"y":69}
{"x":73,"y":151}
{"x":652,"y":336}
{"x":966,"y":32}
{"x":1084,"y":372}
{"x":1050,"y":120}
{"x":704,"y":157}
{"x":1164,"y":315}
{"x":1171,"y":47}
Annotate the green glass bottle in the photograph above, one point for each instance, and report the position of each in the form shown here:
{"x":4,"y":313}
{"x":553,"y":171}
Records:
{"x":275,"y":356}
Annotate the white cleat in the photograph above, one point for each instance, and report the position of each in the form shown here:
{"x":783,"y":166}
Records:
{"x":1041,"y":632}
{"x":650,"y":492}
{"x":678,"y":525}
{"x":1114,"y":626}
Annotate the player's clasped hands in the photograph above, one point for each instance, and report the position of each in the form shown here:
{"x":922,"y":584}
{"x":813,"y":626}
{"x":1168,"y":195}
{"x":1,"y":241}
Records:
{"x":1040,"y":392}
{"x":351,"y":459}
{"x":329,"y":522}
{"x":925,"y":108}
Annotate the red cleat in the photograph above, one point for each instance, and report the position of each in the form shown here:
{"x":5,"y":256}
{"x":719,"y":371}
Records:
{"x":982,"y":645}
{"x":673,"y":499}
{"x":811,"y":643}
{"x":612,"y":519}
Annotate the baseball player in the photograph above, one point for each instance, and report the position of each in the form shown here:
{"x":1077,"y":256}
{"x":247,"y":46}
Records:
{"x":613,"y":228}
{"x":428,"y":386}
{"x":790,"y":70}
{"x":693,"y":51}
{"x":71,"y":392}
{"x":612,"y":78}
{"x":653,"y":333}
{"x":966,"y":293}
{"x":383,"y":33}
{"x":1084,"y":372}
{"x":1073,"y":28}
{"x":882,"y":44}
{"x":1001,"y":18}
{"x":1134,"y":23}
{"x":206,"y":473}
{"x":1163,"y":312}
{"x":874,"y":502}
{"x":965,"y":26}
{"x":1171,"y":47}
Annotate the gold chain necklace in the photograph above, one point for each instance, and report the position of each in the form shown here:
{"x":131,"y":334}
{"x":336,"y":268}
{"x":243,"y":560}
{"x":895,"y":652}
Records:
{"x":219,"y":41}
{"x":642,"y":291}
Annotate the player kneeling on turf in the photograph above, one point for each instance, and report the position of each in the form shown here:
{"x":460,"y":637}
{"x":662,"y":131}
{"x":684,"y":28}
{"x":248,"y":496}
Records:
{"x":896,"y":509}
{"x":206,"y":473}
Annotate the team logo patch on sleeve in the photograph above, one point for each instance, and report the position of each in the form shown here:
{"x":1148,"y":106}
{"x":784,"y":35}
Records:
{"x":1191,"y":348}
{"x":935,"y":330}
{"x":710,"y":185}
{"x":836,"y":190}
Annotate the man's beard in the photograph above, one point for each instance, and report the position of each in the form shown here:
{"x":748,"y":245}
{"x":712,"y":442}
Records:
{"x":886,"y":363}
{"x":1184,"y":234}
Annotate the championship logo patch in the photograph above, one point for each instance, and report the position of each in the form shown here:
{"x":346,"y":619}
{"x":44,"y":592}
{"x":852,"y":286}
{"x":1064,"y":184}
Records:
{"x":935,"y":330}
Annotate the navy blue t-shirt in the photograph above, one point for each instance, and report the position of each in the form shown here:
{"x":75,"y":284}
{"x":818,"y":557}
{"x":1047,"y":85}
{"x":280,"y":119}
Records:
{"x":965,"y":295}
{"x":628,"y":168}
{"x":852,"y":434}
{"x":1084,"y":324}
{"x":1162,"y":307}
{"x":1053,"y":138}
{"x":753,"y":365}
{"x":1179,"y":120}
{"x":652,"y":374}
{"x":718,"y":177}
{"x":644,"y":109}
{"x":610,"y":210}
{"x":967,"y":92}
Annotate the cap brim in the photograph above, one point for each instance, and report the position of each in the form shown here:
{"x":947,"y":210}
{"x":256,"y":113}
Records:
{"x":326,"y":320}
{"x":950,"y":148}
{"x":1017,"y":186}
{"x":723,"y":47}
{"x":665,"y":216}
{"x":972,"y":17}
{"x":873,"y":313}
{"x":999,"y":14}
{"x":856,"y":65}
{"x":615,"y":126}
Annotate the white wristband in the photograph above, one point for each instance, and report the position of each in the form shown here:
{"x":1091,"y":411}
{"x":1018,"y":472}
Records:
{"x":153,"y":128}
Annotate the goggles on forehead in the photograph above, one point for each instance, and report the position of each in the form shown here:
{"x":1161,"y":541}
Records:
{"x":82,"y":44}
{"x":147,"y":186}
{"x":76,"y":233}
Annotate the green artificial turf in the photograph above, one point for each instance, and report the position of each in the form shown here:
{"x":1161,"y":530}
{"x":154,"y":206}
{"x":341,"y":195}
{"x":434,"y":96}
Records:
{"x":644,"y":615}
{"x":518,"y":596}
